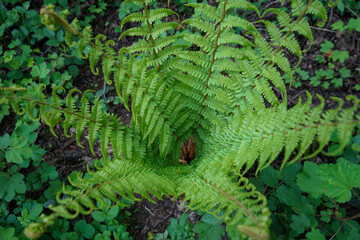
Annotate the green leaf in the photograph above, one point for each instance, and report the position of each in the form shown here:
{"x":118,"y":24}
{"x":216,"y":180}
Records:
{"x":340,"y":55}
{"x":10,"y":185}
{"x":47,"y":172}
{"x":299,"y":223}
{"x":35,"y":211}
{"x":40,"y":70}
{"x":339,"y":179}
{"x":99,"y":216}
{"x":12,"y":17}
{"x":333,"y":180}
{"x":211,"y":219}
{"x":86,"y":230}
{"x":112,"y":213}
{"x":4,"y":111}
{"x":19,"y":150}
{"x":354,"y":24}
{"x":53,"y":189}
{"x":315,"y":234}
{"x":14,"y":43}
{"x":345,"y":73}
{"x":5,"y":141}
{"x":307,"y":178}
{"x":338,"y":82}
{"x":270,"y":176}
{"x":288,"y":195}
{"x":7,"y":233}
{"x":339,"y":25}
{"x":13,"y":156}
{"x":208,"y":231}
{"x":73,"y":70}
{"x":326,"y":46}
{"x":341,"y":6}
{"x":325,"y":215}
{"x":288,"y":173}
{"x":315,"y":81}
{"x":326,"y":85}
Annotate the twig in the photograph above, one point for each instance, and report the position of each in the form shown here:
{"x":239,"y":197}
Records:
{"x":331,"y":13}
{"x":352,"y":11}
{"x":337,"y":231}
{"x":323,"y":29}
{"x":162,"y":220}
{"x":149,"y":211}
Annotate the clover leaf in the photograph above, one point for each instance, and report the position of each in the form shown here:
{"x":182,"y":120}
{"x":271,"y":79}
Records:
{"x":18,"y":151}
{"x":9,"y":185}
{"x":86,"y":230}
{"x":40,"y":71}
{"x":7,"y":233}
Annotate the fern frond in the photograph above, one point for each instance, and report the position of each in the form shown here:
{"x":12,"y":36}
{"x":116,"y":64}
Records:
{"x":293,"y":132}
{"x":116,"y":178}
{"x":237,"y":200}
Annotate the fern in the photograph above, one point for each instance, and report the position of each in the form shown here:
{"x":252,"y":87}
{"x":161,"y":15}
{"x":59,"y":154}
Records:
{"x":220,"y":91}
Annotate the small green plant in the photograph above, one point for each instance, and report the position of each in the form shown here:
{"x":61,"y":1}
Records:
{"x":180,"y":229}
{"x":353,"y":24}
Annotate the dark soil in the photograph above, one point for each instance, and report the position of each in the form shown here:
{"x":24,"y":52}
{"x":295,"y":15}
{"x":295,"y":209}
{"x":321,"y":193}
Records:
{"x":147,"y":217}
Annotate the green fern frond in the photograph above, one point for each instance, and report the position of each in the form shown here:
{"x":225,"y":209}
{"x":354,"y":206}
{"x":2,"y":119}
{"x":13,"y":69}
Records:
{"x":293,"y":132}
{"x":116,"y":178}
{"x":237,"y":200}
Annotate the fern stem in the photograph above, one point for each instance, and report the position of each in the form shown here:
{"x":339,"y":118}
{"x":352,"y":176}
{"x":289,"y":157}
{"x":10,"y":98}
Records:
{"x":353,"y":217}
{"x":12,"y":89}
{"x":149,"y":28}
{"x":215,"y":48}
{"x":355,"y":193}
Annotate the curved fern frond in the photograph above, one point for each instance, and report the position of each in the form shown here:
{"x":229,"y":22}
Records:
{"x":234,"y":197}
{"x":117,"y":179}
{"x":264,"y":134}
